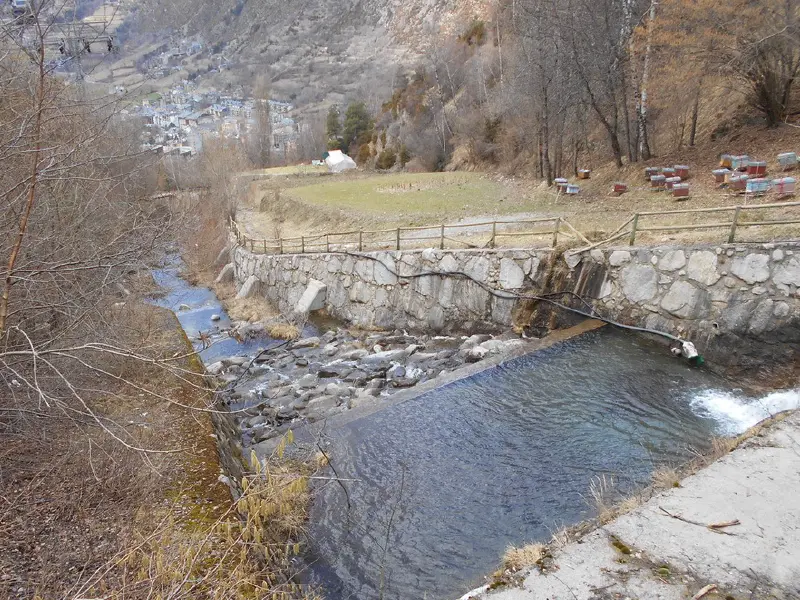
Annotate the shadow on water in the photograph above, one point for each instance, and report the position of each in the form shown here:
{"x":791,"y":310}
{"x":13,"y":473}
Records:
{"x":502,"y":457}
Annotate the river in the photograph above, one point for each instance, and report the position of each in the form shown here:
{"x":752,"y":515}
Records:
{"x":443,"y":483}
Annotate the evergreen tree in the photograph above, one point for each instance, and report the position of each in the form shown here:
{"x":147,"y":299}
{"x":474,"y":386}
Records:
{"x":357,"y":123}
{"x":333,"y":126}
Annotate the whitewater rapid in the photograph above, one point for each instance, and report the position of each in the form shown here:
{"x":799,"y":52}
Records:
{"x":736,"y":412}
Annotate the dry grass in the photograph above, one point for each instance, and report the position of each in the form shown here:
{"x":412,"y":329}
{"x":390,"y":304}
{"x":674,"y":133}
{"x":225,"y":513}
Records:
{"x":665,"y":477}
{"x":518,"y":558}
{"x":253,"y":310}
{"x":283,"y":331}
{"x":95,"y":519}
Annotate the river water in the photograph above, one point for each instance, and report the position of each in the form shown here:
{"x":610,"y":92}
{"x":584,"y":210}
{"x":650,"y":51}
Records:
{"x":445,"y":482}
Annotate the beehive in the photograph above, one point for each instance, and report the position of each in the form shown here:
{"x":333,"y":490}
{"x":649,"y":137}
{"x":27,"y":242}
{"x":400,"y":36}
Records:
{"x":719,"y":175}
{"x":758,"y":185}
{"x":619,"y":188}
{"x":650,"y":171}
{"x":671,"y":181}
{"x":756,"y":168}
{"x":739,"y":162}
{"x":787,"y":160}
{"x":584,"y":174}
{"x":668,"y":172}
{"x":561,"y":184}
{"x":657,"y":182}
{"x":725,"y":161}
{"x":785,"y":186}
{"x":572,"y":190}
{"x":680,"y":190}
{"x":738,"y":182}
{"x":682,"y":171}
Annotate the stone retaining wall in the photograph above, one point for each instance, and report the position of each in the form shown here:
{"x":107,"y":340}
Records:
{"x":732,"y":300}
{"x":364,"y":289}
{"x":725,"y":298}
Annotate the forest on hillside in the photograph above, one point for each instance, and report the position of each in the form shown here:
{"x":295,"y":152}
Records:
{"x":545,"y":83}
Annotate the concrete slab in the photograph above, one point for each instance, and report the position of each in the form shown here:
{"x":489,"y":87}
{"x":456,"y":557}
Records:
{"x":667,"y":558}
{"x":226,"y":274}
{"x":250,"y":288}
{"x":313,"y":298}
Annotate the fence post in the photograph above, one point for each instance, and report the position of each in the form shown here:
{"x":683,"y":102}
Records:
{"x":441,"y":242}
{"x":280,"y":245}
{"x":265,"y":245}
{"x":360,"y":240}
{"x":732,"y":234}
{"x":398,"y":239}
{"x":327,"y":243}
{"x":555,"y":231}
{"x":252,"y":245}
{"x":302,"y":244}
{"x":635,"y":224}
{"x":493,"y":241}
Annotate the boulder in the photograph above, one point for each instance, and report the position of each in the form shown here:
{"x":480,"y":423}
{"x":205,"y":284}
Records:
{"x":619,"y":257}
{"x":309,"y":342}
{"x":474,"y":340}
{"x":308,"y":381}
{"x":686,"y":301}
{"x":788,"y":273}
{"x":356,"y":354}
{"x":753,"y":268}
{"x":672,"y":261}
{"x":703,"y":267}
{"x":511,"y":274}
{"x":639,"y":282}
{"x":396,"y":372}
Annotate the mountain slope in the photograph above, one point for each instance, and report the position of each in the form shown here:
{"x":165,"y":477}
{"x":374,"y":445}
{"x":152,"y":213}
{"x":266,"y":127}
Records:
{"x":317,"y":51}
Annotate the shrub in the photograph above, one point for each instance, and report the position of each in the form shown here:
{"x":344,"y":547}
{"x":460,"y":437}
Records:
{"x":475,"y":34}
{"x":404,"y":155}
{"x":364,"y":154}
{"x":386,"y":159}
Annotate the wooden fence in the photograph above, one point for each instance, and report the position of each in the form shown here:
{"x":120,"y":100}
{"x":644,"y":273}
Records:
{"x":487,"y":234}
{"x":490,"y":234}
{"x":637,"y":223}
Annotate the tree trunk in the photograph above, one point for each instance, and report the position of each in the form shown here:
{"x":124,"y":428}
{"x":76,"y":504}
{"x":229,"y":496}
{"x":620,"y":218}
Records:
{"x":695,"y":113}
{"x":644,"y":142}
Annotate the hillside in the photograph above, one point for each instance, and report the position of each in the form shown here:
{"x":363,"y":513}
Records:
{"x":310,"y":51}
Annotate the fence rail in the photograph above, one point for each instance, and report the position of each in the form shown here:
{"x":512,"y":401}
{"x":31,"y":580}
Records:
{"x":401,"y":238}
{"x":550,"y":230}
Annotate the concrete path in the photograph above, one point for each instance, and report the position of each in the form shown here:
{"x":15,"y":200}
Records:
{"x":670,"y":559}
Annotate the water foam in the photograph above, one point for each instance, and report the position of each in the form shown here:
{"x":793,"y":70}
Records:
{"x":736,"y":413}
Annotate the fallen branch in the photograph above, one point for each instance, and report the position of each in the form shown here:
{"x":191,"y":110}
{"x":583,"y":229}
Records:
{"x":703,"y":591}
{"x":715,"y":527}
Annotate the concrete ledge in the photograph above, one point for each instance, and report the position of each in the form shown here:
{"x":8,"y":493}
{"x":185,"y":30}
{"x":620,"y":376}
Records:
{"x":648,"y":554}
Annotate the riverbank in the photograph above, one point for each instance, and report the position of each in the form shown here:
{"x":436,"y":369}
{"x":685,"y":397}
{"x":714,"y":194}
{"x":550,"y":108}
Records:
{"x":732,"y":525}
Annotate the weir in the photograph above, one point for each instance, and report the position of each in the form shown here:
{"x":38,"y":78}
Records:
{"x":441,"y":477}
{"x":439,"y":485}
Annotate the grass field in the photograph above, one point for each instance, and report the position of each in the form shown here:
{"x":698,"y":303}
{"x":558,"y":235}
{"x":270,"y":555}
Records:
{"x":290,"y":170}
{"x":366,"y":201}
{"x":413,"y":198}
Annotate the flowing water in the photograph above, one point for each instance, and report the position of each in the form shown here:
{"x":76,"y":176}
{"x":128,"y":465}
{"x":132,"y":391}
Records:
{"x":446,"y":481}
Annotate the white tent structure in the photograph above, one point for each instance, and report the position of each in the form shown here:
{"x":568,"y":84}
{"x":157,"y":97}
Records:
{"x":338,"y":161}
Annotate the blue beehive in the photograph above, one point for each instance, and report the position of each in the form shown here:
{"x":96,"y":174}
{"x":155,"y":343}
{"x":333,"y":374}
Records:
{"x":739,"y":162}
{"x":758,"y":185}
{"x":787,"y":160}
{"x":573,"y":190}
